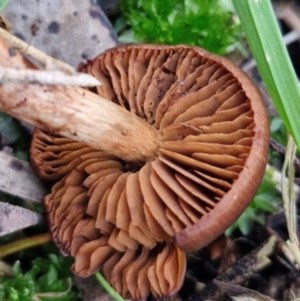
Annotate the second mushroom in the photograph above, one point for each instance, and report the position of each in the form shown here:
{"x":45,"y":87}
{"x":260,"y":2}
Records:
{"x":133,"y":221}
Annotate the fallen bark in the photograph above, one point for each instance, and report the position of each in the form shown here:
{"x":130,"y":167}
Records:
{"x":17,"y":179}
{"x":14,"y":218}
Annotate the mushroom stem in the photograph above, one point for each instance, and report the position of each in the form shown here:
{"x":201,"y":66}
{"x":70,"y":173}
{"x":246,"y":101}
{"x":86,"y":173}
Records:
{"x":76,"y":113}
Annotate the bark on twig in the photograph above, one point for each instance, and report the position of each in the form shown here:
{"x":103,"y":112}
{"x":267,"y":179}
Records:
{"x":28,"y":76}
{"x":47,"y":61}
{"x":277,"y":147}
{"x":57,"y":72}
{"x":17,"y":179}
{"x":14,"y":218}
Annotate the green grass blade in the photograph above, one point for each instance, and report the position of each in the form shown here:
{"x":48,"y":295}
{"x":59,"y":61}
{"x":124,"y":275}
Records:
{"x":108,"y":288}
{"x":3,"y":4}
{"x":265,"y":41}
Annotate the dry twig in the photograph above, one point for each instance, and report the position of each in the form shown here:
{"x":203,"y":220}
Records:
{"x":47,"y":61}
{"x":277,"y":147}
{"x":289,"y":200}
{"x":44,"y":77}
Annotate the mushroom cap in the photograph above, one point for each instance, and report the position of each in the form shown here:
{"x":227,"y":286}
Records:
{"x":214,"y":132}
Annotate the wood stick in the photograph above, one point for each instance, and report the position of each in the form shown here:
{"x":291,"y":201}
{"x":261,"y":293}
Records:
{"x":43,"y":77}
{"x":76,"y":113}
{"x":47,"y":61}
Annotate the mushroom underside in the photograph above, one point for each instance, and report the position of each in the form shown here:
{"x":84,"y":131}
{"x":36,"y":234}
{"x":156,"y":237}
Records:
{"x":122,"y":217}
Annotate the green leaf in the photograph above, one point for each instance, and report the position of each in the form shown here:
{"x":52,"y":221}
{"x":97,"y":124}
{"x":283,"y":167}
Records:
{"x":275,"y":124}
{"x":245,"y":221}
{"x":48,"y":279}
{"x":278,"y":130}
{"x":207,"y":23}
{"x":3,"y":4}
{"x":264,"y":202}
{"x":265,"y":186}
{"x":119,"y":25}
{"x":17,"y":268}
{"x":265,"y":41}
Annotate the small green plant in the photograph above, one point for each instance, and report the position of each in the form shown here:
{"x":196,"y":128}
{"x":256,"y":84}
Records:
{"x":205,"y":23}
{"x":278,"y":131}
{"x":48,"y":279}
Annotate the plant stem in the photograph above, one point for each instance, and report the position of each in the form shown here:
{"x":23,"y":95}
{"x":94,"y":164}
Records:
{"x":47,"y":61}
{"x":24,"y":243}
{"x":108,"y":288}
{"x":289,"y":199}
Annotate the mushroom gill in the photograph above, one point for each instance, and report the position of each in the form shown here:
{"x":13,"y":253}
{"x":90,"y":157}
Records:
{"x":121,"y":217}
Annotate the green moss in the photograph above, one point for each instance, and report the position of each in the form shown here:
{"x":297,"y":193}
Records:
{"x":197,"y":23}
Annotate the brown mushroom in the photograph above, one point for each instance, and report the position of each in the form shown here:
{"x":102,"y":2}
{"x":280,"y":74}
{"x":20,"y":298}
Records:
{"x":124,"y":216}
